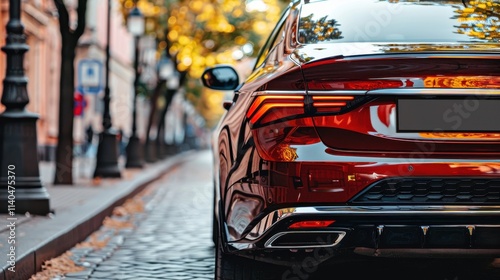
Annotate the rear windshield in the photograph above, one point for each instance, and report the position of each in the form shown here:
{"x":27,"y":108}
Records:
{"x":399,"y":21}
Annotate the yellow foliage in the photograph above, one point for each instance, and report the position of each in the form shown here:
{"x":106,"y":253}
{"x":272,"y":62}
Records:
{"x":183,"y":23}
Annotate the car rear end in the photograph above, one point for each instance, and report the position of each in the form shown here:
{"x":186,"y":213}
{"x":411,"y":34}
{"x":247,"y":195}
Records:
{"x":392,"y":148}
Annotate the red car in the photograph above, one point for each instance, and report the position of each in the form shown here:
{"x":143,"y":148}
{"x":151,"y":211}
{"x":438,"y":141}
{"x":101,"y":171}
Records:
{"x":367,"y":128}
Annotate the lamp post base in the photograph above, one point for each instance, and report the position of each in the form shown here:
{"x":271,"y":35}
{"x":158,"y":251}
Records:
{"x":35,"y":201}
{"x":107,"y":156}
{"x":134,"y":153}
{"x":21,"y":190}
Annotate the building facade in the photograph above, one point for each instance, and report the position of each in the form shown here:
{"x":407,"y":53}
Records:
{"x":42,"y":67}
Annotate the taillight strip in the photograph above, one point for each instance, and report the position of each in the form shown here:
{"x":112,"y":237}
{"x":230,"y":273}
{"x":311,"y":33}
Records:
{"x":329,"y":104}
{"x":337,"y":92}
{"x":340,"y":97}
{"x":323,"y":101}
{"x":266,"y":107}
{"x":262,"y":98}
{"x":356,"y":84}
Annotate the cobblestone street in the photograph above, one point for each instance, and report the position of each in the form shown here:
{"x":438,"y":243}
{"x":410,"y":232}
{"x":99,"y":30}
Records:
{"x":172,"y":238}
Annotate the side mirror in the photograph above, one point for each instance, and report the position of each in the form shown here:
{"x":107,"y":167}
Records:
{"x":221,"y":77}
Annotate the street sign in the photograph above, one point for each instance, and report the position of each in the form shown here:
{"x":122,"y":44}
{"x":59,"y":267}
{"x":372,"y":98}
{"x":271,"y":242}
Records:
{"x":90,"y":76}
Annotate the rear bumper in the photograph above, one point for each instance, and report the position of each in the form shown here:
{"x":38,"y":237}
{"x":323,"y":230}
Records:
{"x":377,"y":231}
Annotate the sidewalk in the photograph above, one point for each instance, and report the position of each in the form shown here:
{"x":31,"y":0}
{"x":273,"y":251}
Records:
{"x":78,"y":211}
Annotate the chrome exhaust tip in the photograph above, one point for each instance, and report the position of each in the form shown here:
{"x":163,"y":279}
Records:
{"x":305,"y":239}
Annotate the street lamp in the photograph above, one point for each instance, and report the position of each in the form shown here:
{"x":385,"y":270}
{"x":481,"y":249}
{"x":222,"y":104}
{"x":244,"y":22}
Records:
{"x":136,"y":26}
{"x":173,"y":82}
{"x":20,"y":187}
{"x":165,"y":68}
{"x":107,"y":152}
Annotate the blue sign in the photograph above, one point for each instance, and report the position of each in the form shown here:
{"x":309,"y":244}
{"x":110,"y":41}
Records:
{"x":90,"y":72}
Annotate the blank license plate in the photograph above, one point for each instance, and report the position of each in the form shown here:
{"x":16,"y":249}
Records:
{"x":448,"y":115}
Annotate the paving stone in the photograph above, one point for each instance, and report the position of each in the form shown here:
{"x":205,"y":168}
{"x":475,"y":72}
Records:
{"x":105,"y":268}
{"x":116,"y":240}
{"x":82,"y":251}
{"x":108,"y":274}
{"x":79,"y":274}
{"x":86,"y":264}
{"x":111,"y":263}
{"x":93,"y":260}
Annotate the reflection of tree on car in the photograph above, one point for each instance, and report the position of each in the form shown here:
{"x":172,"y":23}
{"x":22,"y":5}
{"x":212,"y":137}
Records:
{"x":480,"y":20}
{"x":315,"y":31}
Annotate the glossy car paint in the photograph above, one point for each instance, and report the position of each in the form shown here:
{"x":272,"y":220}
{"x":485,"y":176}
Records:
{"x":260,"y":192}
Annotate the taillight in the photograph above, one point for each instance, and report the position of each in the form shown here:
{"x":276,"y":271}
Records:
{"x":279,"y":141}
{"x":273,"y":108}
{"x":280,"y":106}
{"x":332,"y":104}
{"x":280,"y":124}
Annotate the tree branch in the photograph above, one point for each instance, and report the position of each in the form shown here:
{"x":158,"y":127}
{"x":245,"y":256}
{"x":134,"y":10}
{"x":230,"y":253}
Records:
{"x":81,"y":11}
{"x":63,"y":18}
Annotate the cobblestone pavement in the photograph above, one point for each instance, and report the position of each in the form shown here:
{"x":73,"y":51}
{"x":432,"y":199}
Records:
{"x":172,"y":238}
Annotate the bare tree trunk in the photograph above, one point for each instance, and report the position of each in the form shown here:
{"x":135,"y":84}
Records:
{"x":153,"y":102}
{"x":64,"y":151}
{"x":160,"y":137}
{"x":169,"y":95}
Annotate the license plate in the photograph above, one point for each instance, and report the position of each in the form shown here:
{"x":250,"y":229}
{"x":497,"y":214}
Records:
{"x":448,"y":115}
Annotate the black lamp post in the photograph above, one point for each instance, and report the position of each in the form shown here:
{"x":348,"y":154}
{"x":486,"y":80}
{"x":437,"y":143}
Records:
{"x":107,"y":152}
{"x":135,"y":23}
{"x":20,"y":187}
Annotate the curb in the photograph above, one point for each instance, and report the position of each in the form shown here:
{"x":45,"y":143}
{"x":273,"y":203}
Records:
{"x":65,"y":235}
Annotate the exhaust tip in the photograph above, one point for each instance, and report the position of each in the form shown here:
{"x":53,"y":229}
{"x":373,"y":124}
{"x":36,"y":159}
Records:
{"x":305,"y":239}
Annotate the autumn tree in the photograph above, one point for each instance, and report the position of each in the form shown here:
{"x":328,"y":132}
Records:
{"x":69,"y":35}
{"x":197,"y":34}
